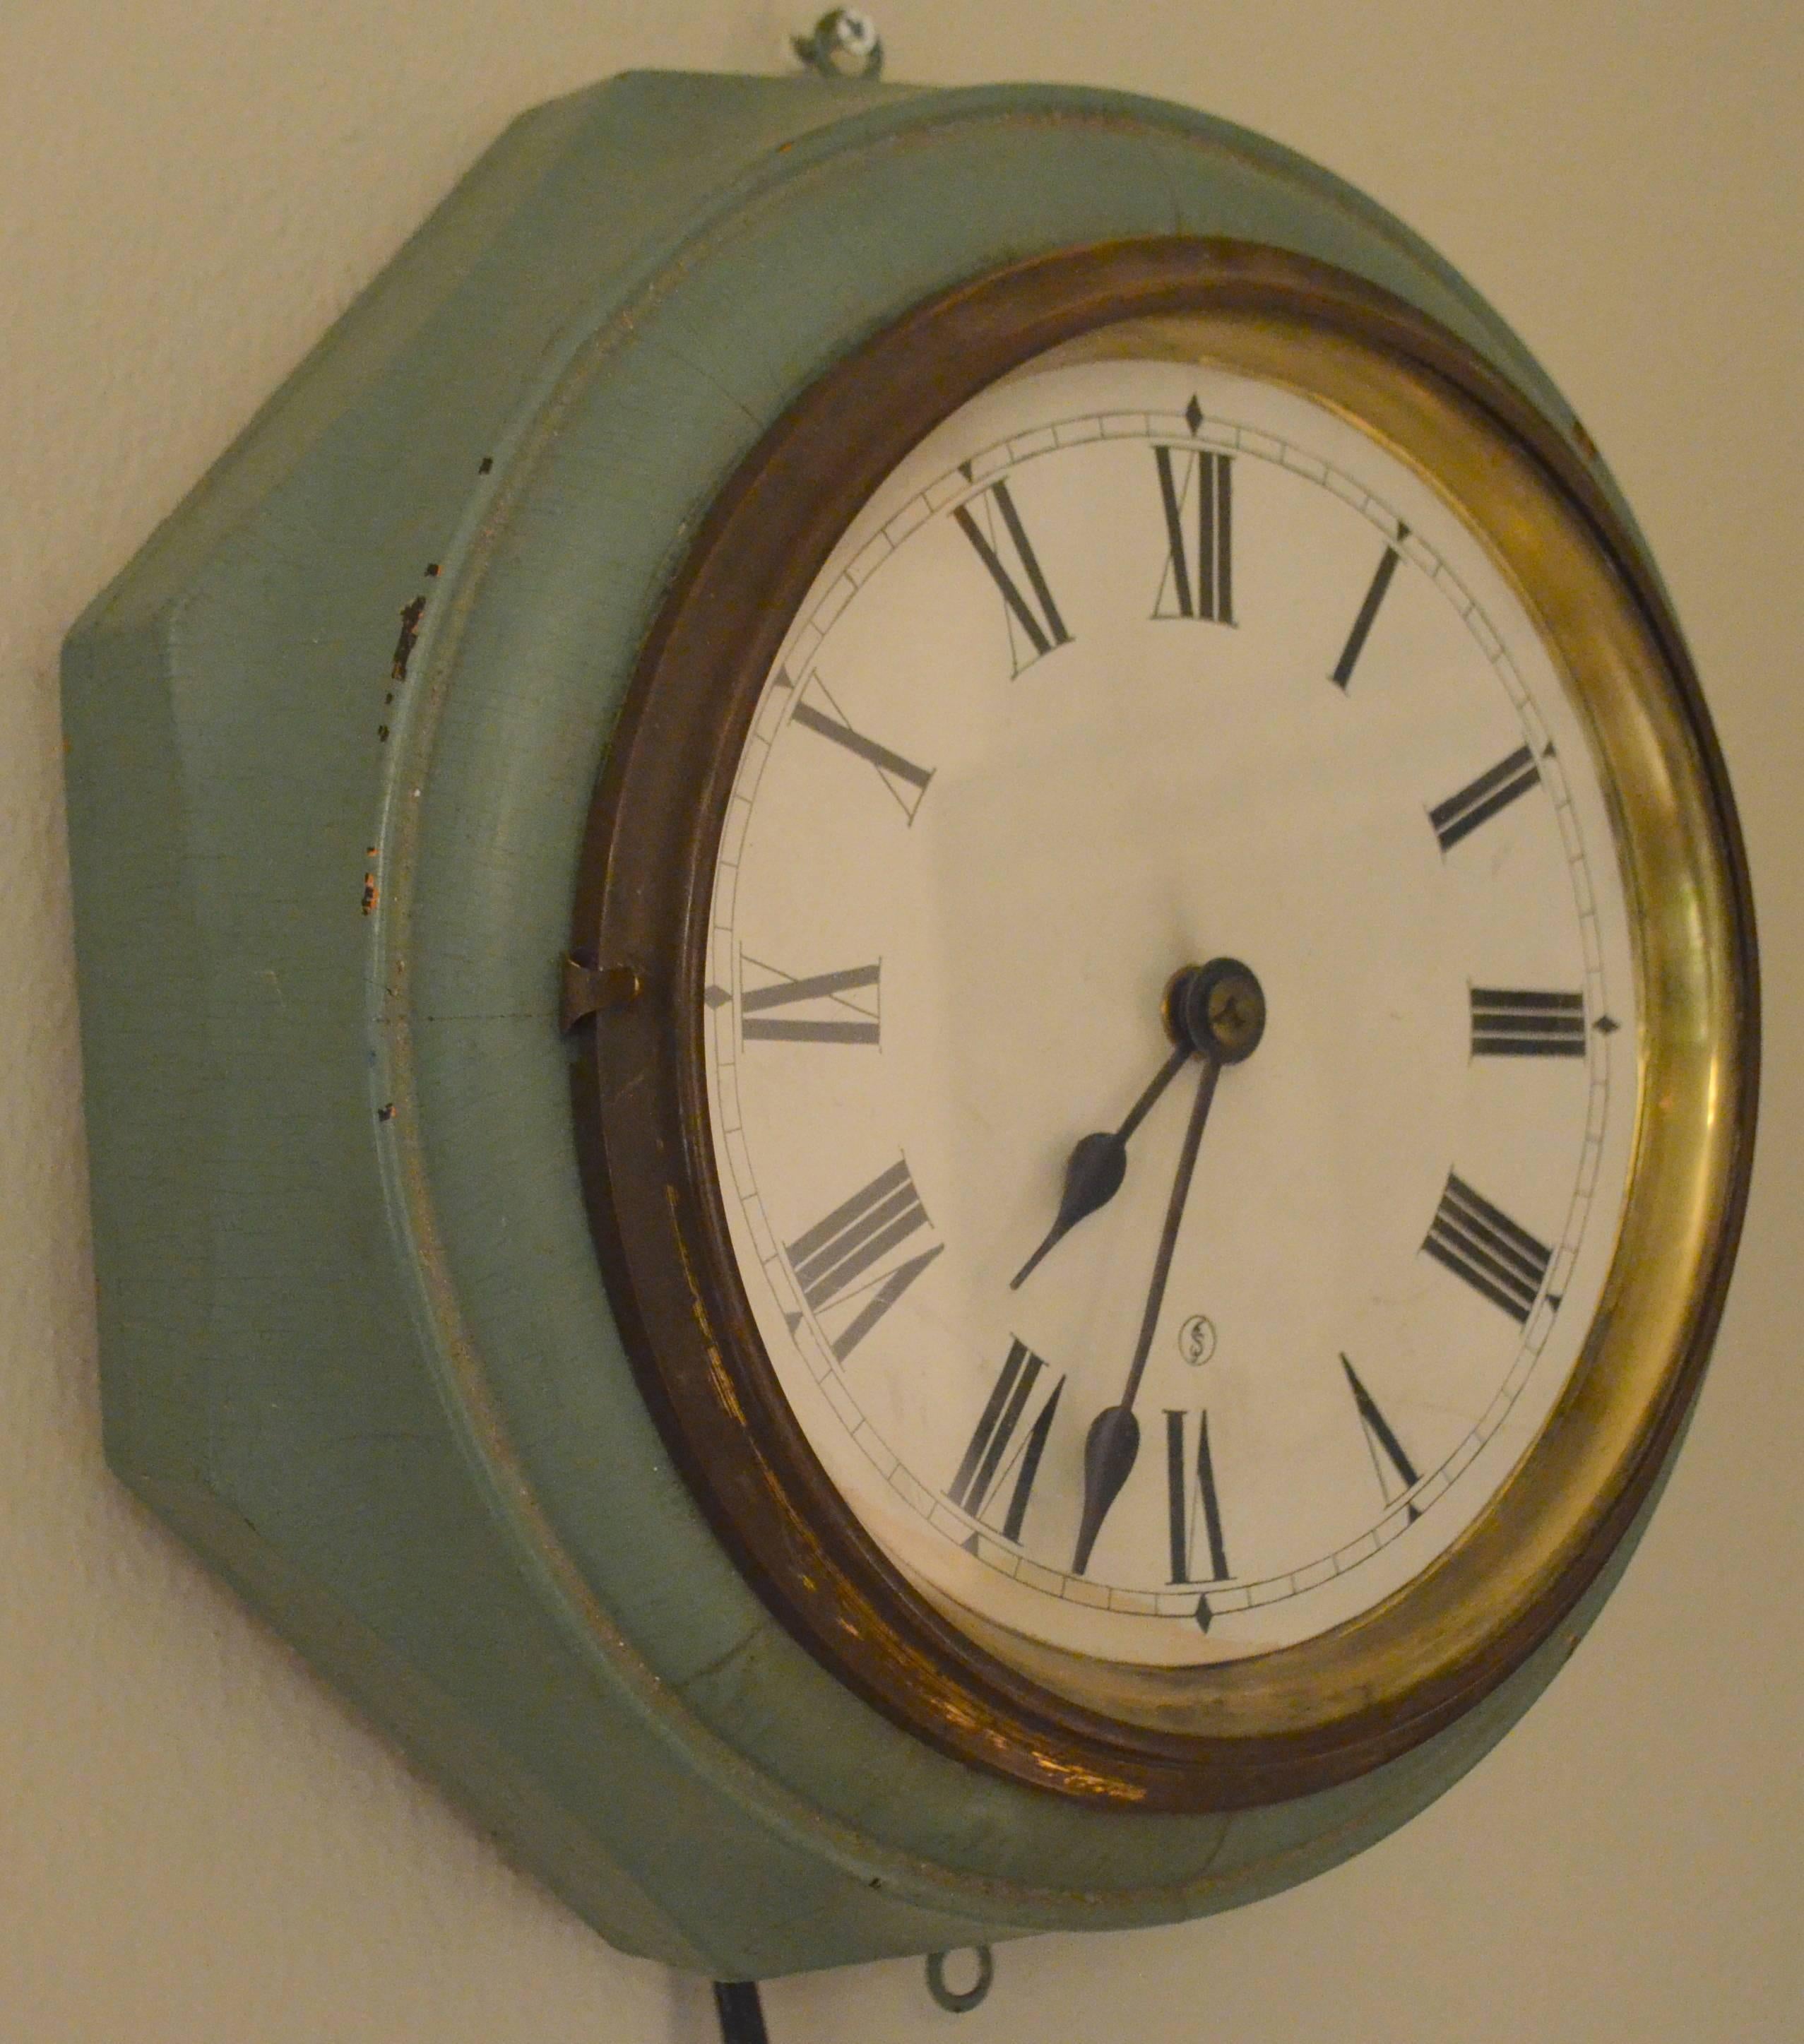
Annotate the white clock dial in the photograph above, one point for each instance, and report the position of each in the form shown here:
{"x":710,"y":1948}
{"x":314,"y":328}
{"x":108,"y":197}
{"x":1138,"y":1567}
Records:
{"x":1130,"y":667}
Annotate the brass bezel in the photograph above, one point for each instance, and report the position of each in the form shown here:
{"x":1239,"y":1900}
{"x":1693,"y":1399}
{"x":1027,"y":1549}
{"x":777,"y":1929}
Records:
{"x":1240,"y":1733}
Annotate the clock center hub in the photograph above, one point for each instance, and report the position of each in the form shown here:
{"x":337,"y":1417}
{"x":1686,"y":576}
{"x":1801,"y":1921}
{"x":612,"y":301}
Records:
{"x":1218,"y":1009}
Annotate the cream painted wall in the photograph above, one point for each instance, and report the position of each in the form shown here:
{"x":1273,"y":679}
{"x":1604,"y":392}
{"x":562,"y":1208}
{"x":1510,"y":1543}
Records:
{"x":197,"y":1843}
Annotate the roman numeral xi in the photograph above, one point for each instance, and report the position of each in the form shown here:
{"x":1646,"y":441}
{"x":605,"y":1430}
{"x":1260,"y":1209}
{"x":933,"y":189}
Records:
{"x":992,"y":523}
{"x":840,"y":1261}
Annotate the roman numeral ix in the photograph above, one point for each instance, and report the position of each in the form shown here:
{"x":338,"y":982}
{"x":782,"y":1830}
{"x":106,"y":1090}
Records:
{"x":832,"y":1260}
{"x":1479,"y":1242}
{"x":836,"y":1006}
{"x":1508,"y":1024}
{"x":1196,"y":489}
{"x":992,"y":524}
{"x":992,"y":1455}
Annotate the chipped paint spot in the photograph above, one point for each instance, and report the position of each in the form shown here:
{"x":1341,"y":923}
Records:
{"x":410,"y":615}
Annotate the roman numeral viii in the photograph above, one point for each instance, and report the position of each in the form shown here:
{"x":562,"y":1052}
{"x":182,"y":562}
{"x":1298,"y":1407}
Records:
{"x":992,"y":524}
{"x":840,"y":1261}
{"x":1480,"y":1243}
{"x":1509,"y":1023}
{"x":1196,"y":489}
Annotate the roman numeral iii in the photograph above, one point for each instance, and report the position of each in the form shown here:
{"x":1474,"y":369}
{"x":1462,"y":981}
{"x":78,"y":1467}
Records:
{"x":826,"y":1007}
{"x":836,"y":1261}
{"x":1196,"y":491}
{"x":1480,"y":1243}
{"x":1509,"y":1023}
{"x":993,"y":1455}
{"x":992,"y":524}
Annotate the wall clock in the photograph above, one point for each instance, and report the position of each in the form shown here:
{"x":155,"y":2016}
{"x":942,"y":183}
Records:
{"x":920,"y":1015}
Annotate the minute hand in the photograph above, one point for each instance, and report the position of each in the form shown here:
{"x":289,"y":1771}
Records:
{"x":1222,"y":1014}
{"x":1113,"y":1439}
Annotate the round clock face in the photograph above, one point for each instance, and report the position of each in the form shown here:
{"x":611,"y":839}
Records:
{"x":1170,"y":1022}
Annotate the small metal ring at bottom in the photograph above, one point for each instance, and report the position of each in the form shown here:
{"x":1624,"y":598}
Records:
{"x":954,"y":2003}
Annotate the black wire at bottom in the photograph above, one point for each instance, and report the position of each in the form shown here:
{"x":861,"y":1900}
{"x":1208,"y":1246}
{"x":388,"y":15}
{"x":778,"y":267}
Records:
{"x":741,"y":2013}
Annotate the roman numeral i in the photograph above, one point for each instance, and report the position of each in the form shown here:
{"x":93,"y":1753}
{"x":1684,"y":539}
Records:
{"x":906,"y":782}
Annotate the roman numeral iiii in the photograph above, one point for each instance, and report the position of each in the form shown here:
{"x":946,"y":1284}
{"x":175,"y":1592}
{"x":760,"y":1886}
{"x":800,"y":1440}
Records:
{"x":1480,"y":1244}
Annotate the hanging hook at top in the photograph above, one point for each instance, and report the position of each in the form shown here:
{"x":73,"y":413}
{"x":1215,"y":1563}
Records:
{"x":844,"y":43}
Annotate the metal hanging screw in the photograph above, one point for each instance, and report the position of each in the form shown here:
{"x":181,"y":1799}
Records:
{"x":844,"y":43}
{"x":957,"y":2001}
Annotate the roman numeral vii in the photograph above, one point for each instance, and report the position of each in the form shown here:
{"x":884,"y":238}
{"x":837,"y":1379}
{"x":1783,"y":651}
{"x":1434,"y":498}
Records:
{"x":993,"y":1454}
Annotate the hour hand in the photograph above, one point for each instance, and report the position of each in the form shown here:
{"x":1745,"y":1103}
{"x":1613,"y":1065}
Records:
{"x":1097,"y":1164}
